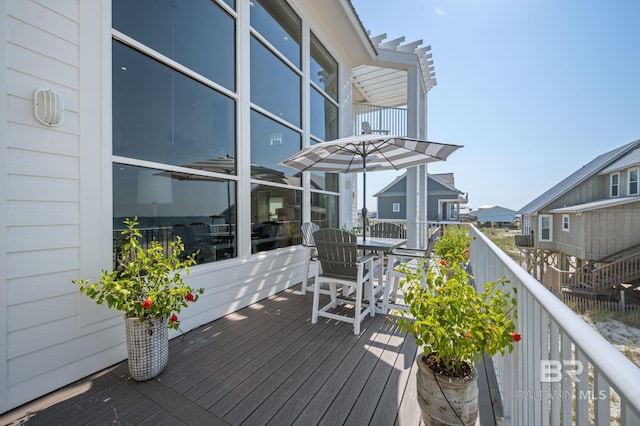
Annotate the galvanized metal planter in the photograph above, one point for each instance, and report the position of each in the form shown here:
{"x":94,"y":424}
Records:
{"x":446,"y":400}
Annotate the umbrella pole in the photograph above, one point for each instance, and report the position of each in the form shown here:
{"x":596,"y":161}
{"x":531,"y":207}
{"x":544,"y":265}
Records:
{"x":365,"y":216}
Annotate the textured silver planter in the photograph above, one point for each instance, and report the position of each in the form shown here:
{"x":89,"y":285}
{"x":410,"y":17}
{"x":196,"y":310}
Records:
{"x":441,"y":397}
{"x":147,"y":347}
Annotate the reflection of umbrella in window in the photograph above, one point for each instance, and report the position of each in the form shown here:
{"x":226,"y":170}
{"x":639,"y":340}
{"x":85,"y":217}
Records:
{"x":368,"y":152}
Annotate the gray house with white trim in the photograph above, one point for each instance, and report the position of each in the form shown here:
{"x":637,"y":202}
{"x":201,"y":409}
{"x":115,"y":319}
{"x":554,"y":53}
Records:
{"x":592,"y":214}
{"x":443,"y":199}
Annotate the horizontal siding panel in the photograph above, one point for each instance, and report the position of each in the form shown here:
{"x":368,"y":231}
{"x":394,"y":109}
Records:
{"x":23,"y":86}
{"x":33,"y":163}
{"x":37,"y":40}
{"x":21,"y":111}
{"x":66,"y":8}
{"x":51,"y":20}
{"x":25,"y":264}
{"x":35,"y":138}
{"x":32,"y":314}
{"x":29,"y":289}
{"x":25,"y":213}
{"x":56,"y":331}
{"x":43,"y":384}
{"x":41,"y":66}
{"x":25,"y":238}
{"x":35,"y":188}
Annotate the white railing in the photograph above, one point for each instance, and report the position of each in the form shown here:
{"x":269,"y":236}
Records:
{"x":562,"y":372}
{"x":379,"y":119}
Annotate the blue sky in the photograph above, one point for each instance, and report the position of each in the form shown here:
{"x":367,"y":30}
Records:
{"x":533,"y":89}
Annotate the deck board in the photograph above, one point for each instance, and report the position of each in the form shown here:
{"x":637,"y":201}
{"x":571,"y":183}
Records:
{"x":265,"y":364}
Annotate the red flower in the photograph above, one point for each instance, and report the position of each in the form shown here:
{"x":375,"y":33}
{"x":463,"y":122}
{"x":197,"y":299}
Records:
{"x":147,"y":303}
{"x":469,"y":336}
{"x":173,"y":318}
{"x":465,"y":250}
{"x":517,"y":337}
{"x":189,"y":297}
{"x":443,"y":262}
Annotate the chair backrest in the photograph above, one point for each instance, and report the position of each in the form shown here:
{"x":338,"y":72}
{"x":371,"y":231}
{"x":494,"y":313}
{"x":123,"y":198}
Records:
{"x":308,"y":228}
{"x":386,"y":230}
{"x":337,"y":253}
{"x":366,"y":128}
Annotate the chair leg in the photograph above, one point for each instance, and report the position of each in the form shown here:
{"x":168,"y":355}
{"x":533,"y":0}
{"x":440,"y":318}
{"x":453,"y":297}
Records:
{"x":357,"y":315}
{"x":305,"y":277}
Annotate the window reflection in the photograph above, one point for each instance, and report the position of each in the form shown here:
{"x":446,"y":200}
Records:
{"x":324,"y":69}
{"x":271,"y":143}
{"x":274,"y":86}
{"x":324,"y":210}
{"x":164,"y":116}
{"x":196,"y":33}
{"x":279,"y":25}
{"x":276,"y":217}
{"x":200,"y":209}
{"x":324,"y":117}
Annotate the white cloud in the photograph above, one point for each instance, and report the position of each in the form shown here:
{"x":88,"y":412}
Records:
{"x":439,"y":11}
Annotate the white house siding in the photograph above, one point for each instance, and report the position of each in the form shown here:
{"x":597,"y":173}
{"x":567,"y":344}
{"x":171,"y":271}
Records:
{"x":55,"y":194}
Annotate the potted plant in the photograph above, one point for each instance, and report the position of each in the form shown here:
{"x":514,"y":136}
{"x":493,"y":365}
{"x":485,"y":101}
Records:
{"x":455,"y":325}
{"x":148,"y":287}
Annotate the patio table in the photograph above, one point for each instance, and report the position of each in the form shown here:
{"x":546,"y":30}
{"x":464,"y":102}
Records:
{"x":381,"y":246}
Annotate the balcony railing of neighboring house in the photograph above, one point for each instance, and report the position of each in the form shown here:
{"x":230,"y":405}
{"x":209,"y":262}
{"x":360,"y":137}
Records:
{"x":524,"y":240}
{"x":379,"y":119}
{"x":563,"y":371}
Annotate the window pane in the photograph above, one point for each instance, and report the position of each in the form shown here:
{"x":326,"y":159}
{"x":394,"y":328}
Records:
{"x":633,"y":182}
{"x":201,"y":210}
{"x":164,"y":116}
{"x":276,"y":217}
{"x":274,"y":86}
{"x":271,"y":143}
{"x":324,"y":210}
{"x":278,"y":24}
{"x":324,"y":69}
{"x":197,"y":33}
{"x":324,"y":181}
{"x":324,"y":117}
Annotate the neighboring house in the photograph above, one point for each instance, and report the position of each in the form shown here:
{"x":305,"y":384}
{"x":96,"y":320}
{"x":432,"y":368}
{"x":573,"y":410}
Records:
{"x":589,"y":217}
{"x":495,"y":216}
{"x":444,"y":200}
{"x":179,"y":113}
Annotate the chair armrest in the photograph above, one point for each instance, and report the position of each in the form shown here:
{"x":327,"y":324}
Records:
{"x":366,"y":258}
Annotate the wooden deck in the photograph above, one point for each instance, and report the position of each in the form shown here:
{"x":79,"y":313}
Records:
{"x":263,"y":365}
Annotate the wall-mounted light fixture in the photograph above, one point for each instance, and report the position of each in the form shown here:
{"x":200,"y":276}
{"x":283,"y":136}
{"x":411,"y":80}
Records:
{"x":48,"y":107}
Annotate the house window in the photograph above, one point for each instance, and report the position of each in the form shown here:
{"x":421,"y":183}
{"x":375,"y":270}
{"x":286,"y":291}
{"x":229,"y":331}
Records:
{"x":396,"y":207}
{"x":565,"y":222}
{"x":546,"y":227}
{"x":174,"y":137}
{"x":633,"y":182}
{"x":614,"y":185}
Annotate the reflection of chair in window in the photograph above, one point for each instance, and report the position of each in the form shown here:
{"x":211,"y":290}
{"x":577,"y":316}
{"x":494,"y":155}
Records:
{"x":340,"y":264}
{"x":366,"y":128}
{"x":308,"y":228}
{"x":191,"y":245}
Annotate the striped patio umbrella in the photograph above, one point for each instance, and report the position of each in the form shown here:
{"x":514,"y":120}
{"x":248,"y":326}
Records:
{"x":362,"y":153}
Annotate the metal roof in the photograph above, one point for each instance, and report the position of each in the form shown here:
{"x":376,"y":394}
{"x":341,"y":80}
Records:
{"x":384,"y":82}
{"x":596,"y":205}
{"x":631,"y":159}
{"x":579,"y":176}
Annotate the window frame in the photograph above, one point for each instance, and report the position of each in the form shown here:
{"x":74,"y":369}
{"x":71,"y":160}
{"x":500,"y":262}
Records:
{"x":614,"y":186}
{"x":566,"y":222}
{"x":632,"y":182}
{"x":395,"y":207}
{"x":540,"y":228}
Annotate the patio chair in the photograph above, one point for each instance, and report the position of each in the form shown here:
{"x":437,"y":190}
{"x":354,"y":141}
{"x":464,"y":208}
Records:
{"x":386,"y":230}
{"x":308,"y":228}
{"x":340,"y":264}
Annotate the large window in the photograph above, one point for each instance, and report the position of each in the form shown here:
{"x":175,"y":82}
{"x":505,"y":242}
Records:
{"x":173,"y":132}
{"x":632,"y":177}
